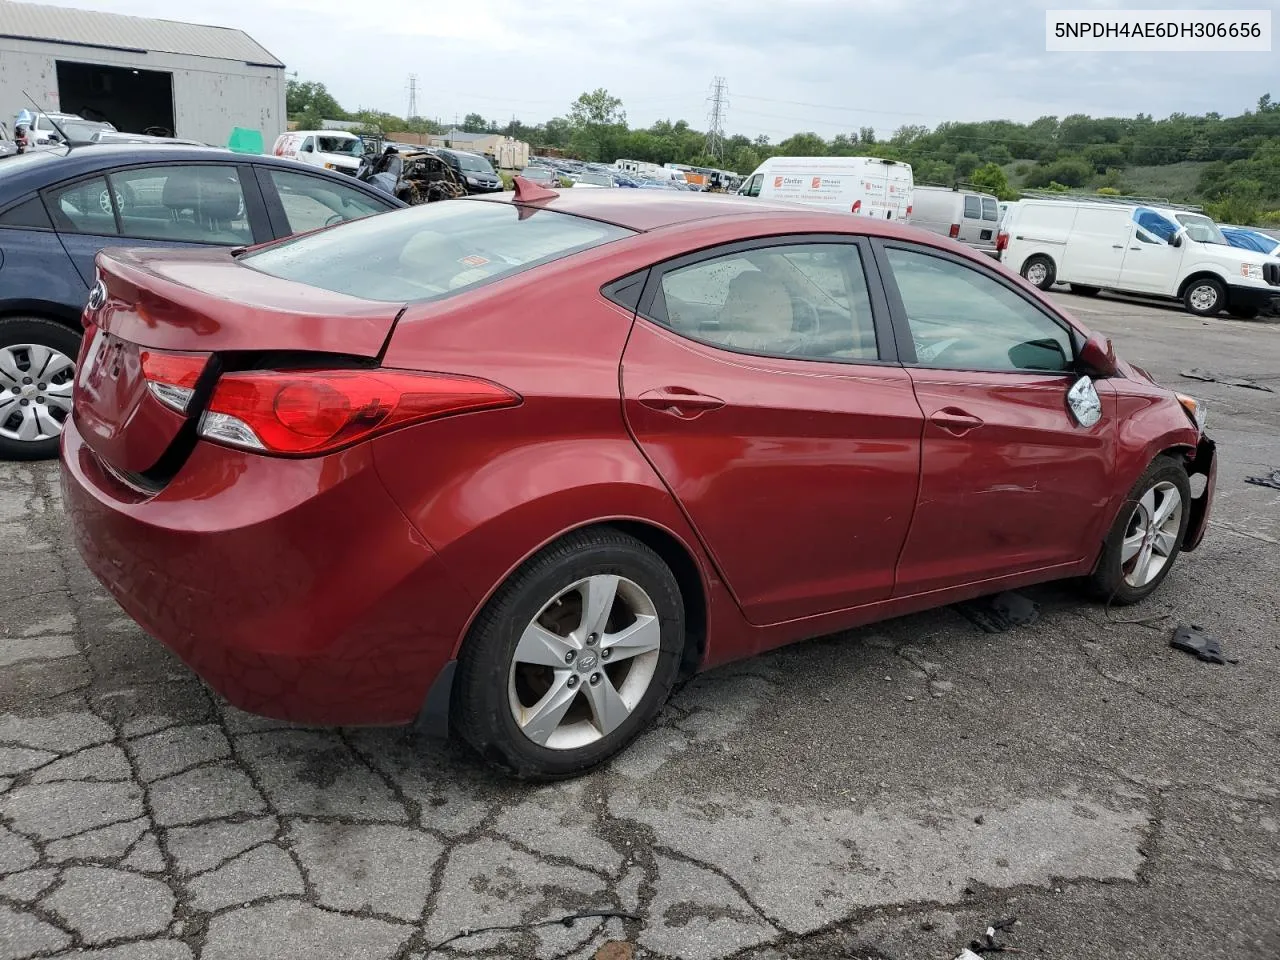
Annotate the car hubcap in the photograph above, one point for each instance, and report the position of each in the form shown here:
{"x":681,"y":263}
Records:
{"x":1152,"y":535}
{"x":584,"y":663}
{"x":35,"y":391}
{"x":1036,"y":273}
{"x":1204,"y":298}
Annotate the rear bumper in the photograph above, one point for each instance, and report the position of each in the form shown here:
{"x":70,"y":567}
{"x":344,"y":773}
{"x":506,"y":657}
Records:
{"x":295,"y":588}
{"x":1205,"y":463}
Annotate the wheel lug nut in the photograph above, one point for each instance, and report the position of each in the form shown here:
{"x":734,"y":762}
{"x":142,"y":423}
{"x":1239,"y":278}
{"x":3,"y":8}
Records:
{"x":40,"y":386}
{"x":24,"y":403}
{"x":573,"y":681}
{"x":26,"y":379}
{"x":568,"y":657}
{"x":606,"y":653}
{"x":595,"y":679}
{"x":591,"y":639}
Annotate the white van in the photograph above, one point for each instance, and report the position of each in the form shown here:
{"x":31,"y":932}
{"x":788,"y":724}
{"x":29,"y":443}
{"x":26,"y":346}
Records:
{"x":968,"y":216}
{"x":330,"y":149}
{"x":867,"y":186}
{"x":1137,"y":249}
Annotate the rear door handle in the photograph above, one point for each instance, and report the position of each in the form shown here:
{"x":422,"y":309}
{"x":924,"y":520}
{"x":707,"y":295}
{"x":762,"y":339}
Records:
{"x":955,"y":421}
{"x":680,"y":401}
{"x":1119,"y":246}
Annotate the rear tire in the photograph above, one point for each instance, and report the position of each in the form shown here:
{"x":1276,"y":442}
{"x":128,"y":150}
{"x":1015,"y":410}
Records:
{"x":30,"y":347}
{"x":506,"y":686}
{"x":1120,"y":576}
{"x":1080,"y":290}
{"x":1040,"y":271}
{"x":1204,"y":297}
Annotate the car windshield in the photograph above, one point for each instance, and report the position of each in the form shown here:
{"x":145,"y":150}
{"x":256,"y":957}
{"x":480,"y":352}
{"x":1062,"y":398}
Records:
{"x":351,"y":147}
{"x":537,"y":173}
{"x":474,"y":164}
{"x":599,"y":179}
{"x":431,"y":251}
{"x":1201,"y":229}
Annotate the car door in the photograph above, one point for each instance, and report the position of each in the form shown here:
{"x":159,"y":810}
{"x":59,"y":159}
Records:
{"x":1010,"y":482}
{"x":761,"y":383}
{"x":1151,"y":264}
{"x":157,"y":205}
{"x":298,"y":202}
{"x":971,"y":218}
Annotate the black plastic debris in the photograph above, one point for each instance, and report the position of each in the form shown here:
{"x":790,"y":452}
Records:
{"x":1193,"y":640}
{"x":990,"y":943}
{"x":1002,"y":612}
{"x":1196,"y":373}
{"x":1271,"y":480}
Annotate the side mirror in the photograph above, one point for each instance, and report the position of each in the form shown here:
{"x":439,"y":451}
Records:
{"x":1176,"y":240}
{"x":1084,"y":402}
{"x":306,"y":148}
{"x":1098,"y":356}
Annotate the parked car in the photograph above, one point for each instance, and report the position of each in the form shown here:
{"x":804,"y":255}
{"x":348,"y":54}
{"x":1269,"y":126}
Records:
{"x":486,"y":463}
{"x":1176,"y":254}
{"x":968,"y":216}
{"x":474,"y":170}
{"x":542,"y":176}
{"x":593,"y":178}
{"x":8,"y":146}
{"x":46,"y":130}
{"x":329,"y":149}
{"x":59,"y":207}
{"x":115,"y":136}
{"x":866,"y":186}
{"x":1248,"y":239}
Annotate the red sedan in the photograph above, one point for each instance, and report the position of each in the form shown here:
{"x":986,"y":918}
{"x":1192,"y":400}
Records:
{"x":514,"y":465}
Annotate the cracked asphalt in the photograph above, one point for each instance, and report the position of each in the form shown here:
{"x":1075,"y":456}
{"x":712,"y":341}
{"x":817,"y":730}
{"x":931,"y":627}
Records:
{"x":885,"y":793}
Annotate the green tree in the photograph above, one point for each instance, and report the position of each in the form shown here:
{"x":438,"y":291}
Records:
{"x":965,"y":163}
{"x":991,"y":179}
{"x":311,"y":98}
{"x":803,"y":145}
{"x":474,"y":123}
{"x":597,"y":121}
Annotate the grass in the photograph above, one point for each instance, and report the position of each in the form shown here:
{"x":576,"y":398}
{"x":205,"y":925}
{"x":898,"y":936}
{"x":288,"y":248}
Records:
{"x":1175,"y":181}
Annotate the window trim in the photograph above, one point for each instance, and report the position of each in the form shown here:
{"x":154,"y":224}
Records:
{"x":964,"y":206}
{"x":47,"y":193}
{"x":237,"y":168}
{"x":23,"y":201}
{"x":902,"y":326}
{"x":886,"y":345}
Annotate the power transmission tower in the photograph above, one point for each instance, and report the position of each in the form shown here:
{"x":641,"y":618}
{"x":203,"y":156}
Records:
{"x":719,"y":109}
{"x":413,"y":96}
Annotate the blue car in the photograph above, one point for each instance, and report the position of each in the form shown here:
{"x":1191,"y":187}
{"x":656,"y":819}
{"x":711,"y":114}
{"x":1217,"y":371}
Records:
{"x":1252,"y":240}
{"x":59,"y":207}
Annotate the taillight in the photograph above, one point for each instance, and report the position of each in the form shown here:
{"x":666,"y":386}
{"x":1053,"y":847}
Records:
{"x":295,"y":412}
{"x":954,"y":232}
{"x":857,"y":206}
{"x":908,"y":209}
{"x":1002,"y":242}
{"x":172,"y":377}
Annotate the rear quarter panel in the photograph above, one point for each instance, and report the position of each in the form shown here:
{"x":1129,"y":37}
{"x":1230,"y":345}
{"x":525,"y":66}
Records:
{"x":37,"y":276}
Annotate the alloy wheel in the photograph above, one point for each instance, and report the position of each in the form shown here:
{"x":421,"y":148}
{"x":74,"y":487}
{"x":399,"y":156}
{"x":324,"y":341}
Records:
{"x":35,"y":391}
{"x":1152,"y":535}
{"x":584,"y":663}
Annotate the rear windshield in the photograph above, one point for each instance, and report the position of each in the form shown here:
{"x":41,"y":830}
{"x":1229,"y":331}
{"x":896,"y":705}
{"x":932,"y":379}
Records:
{"x":431,"y":251}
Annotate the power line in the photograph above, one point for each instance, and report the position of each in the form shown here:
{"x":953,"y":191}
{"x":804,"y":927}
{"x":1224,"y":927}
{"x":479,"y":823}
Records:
{"x":719,"y":105}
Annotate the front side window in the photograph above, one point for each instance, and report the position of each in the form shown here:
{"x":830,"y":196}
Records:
{"x":431,"y":251}
{"x":191,"y":204}
{"x":753,"y":185}
{"x":1153,"y":227}
{"x":962,"y":319}
{"x":972,"y":207}
{"x":313,"y":202}
{"x":83,"y":207}
{"x":807,"y":301}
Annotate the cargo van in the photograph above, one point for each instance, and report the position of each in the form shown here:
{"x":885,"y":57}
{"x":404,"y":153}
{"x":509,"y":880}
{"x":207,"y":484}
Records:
{"x":968,"y":216}
{"x":1154,"y":251}
{"x":330,"y":149}
{"x":866,"y":186}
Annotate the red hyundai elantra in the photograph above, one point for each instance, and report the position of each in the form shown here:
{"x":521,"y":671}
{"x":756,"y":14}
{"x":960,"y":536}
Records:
{"x":514,"y":465}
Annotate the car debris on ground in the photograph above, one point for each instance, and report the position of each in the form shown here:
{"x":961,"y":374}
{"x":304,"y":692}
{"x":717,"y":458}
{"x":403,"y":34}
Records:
{"x":1271,"y":480}
{"x":1192,"y":639}
{"x":1208,"y":376}
{"x":1002,"y":612}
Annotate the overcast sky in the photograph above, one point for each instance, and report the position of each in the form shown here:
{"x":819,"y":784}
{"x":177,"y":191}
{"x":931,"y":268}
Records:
{"x":789,"y":65}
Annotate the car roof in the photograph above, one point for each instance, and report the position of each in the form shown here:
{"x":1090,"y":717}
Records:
{"x":644,"y":210}
{"x":22,"y":175}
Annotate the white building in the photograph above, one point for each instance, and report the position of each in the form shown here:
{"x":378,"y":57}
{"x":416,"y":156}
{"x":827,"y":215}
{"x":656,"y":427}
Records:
{"x":197,"y":81}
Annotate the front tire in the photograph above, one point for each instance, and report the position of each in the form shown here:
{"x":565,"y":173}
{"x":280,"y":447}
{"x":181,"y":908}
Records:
{"x":571,"y":658}
{"x":1039,"y":271}
{"x":37,"y":371}
{"x":1204,"y":297}
{"x":1146,"y":537}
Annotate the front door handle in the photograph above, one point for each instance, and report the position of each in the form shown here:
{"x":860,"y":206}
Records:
{"x":955,"y":421}
{"x":680,"y":401}
{"x":1135,"y":248}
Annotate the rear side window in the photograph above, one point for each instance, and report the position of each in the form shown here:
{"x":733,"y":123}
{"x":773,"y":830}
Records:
{"x":313,"y":202}
{"x":431,"y":251}
{"x":28,"y":214}
{"x":990,"y":209}
{"x":186,"y":204}
{"x":972,"y":207}
{"x":84,"y":207}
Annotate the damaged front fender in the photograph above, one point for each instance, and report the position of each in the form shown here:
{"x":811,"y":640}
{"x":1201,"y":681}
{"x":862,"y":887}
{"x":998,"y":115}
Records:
{"x":1203,"y":463}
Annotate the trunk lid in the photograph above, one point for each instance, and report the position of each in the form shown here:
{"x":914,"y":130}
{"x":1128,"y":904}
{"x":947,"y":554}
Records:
{"x":180,"y":309}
